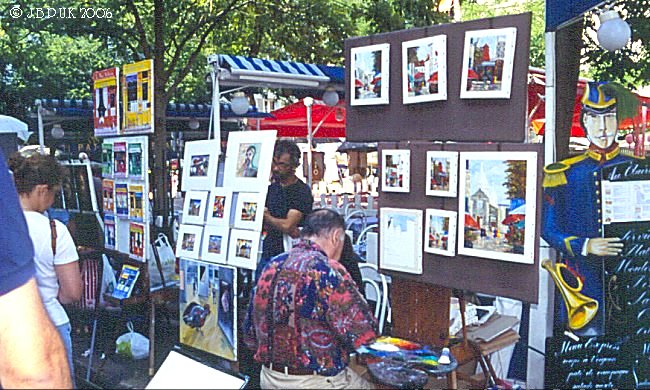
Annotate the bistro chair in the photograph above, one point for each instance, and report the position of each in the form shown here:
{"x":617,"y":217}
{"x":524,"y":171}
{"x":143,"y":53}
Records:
{"x":376,"y":289}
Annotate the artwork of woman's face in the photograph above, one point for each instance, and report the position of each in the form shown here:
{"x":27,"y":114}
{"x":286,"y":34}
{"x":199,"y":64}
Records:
{"x":250,"y":153}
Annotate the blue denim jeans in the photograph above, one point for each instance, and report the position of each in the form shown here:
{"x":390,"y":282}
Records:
{"x":64,"y":331}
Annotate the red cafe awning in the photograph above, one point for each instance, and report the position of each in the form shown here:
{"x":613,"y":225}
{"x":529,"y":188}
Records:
{"x":291,"y":120}
{"x":471,"y":222}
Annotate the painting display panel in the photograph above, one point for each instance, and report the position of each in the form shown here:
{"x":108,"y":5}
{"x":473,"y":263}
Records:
{"x":219,"y":206}
{"x":488,"y":58}
{"x":208,"y":302}
{"x":440,"y":232}
{"x":189,"y":241}
{"x":400,"y":240}
{"x":194,"y":207}
{"x":497,"y":205}
{"x":424,"y":69}
{"x":214,"y":247}
{"x":396,"y":170}
{"x":370,"y":74}
{"x":249,"y":210}
{"x":243,"y":248}
{"x":248,"y":160}
{"x":442,"y":174}
{"x":200,"y":163}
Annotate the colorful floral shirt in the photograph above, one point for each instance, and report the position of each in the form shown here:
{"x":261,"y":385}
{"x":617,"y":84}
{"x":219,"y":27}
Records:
{"x":307,"y":312}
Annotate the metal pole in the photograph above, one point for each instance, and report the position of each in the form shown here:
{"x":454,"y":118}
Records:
{"x":308,"y":103}
{"x":41,"y":132}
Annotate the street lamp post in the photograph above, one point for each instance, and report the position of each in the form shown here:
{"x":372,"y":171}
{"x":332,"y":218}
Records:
{"x":309,"y":101}
{"x":213,"y":60}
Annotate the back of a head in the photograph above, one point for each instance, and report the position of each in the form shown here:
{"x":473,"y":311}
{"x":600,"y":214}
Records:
{"x":37,"y":169}
{"x":283,"y":146}
{"x":321,"y":222}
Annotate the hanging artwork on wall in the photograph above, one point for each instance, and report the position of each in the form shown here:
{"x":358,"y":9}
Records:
{"x":488,"y":58}
{"x":243,"y":248}
{"x":137,"y":241}
{"x":369,"y":78}
{"x":208,"y":308}
{"x":189,"y":241}
{"x":219,"y":205}
{"x":248,"y":160}
{"x":442,"y":173}
{"x":214,"y":247}
{"x":249,"y":210}
{"x":396,"y":170}
{"x":497,"y":205}
{"x":106,"y":114}
{"x":136,"y":202}
{"x":200,"y":162}
{"x":440,"y":232}
{"x":194,"y":207}
{"x":424,"y":69}
{"x":400,"y":240}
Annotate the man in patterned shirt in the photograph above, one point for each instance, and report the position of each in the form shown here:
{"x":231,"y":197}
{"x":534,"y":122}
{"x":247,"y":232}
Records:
{"x":307,"y":313}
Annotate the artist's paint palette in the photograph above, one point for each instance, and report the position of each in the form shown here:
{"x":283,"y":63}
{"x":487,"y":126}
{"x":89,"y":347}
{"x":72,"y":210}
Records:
{"x":384,"y":347}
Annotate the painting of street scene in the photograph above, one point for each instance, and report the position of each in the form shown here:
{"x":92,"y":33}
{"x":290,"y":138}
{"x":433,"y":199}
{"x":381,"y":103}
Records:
{"x":396,"y":168}
{"x":424,"y":69}
{"x":487,"y":63}
{"x":207,"y":308}
{"x":497,"y":205}
{"x":370,"y":72}
{"x":442,"y":173}
{"x":440,"y":232}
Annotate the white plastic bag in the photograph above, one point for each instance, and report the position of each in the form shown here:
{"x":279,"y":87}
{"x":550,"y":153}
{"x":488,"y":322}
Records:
{"x":108,"y":279}
{"x":132,"y":344}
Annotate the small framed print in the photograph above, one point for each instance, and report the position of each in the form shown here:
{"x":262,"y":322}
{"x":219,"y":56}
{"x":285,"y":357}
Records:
{"x":369,"y":74}
{"x":119,"y":159}
{"x":136,"y":203}
{"x":488,"y":58}
{"x":137,"y":241}
{"x":440,"y":232}
{"x":442,"y":174}
{"x":243,"y":248}
{"x":249,"y":210}
{"x":194,"y":207}
{"x":248,"y":160}
{"x":424,"y":69}
{"x":219,"y":206}
{"x":107,"y":159}
{"x":396,"y":170}
{"x":109,"y":231}
{"x":108,"y":196}
{"x":400,"y":241}
{"x":200,"y":163}
{"x":214,"y":247}
{"x":135,"y":160}
{"x":189,"y":241}
{"x":122,"y":200}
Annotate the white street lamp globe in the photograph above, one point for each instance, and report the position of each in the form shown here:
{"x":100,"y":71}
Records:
{"x":614,"y":33}
{"x":239,"y":103}
{"x":330,"y":97}
{"x":57,"y":131}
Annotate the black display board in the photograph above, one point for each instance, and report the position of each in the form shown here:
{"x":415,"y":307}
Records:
{"x":454,"y":119}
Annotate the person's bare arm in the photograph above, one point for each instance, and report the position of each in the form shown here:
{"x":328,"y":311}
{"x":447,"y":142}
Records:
{"x":288,"y":225}
{"x":69,"y":282}
{"x":31,"y":351}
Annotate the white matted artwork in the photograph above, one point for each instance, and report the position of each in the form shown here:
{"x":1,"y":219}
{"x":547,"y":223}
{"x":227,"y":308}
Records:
{"x":249,"y":210}
{"x":440,"y":232}
{"x":195,"y":206}
{"x":497,"y":205}
{"x":424,"y":69}
{"x":400,"y":240}
{"x":214,"y":247}
{"x":396,"y":170}
{"x":200,"y":162}
{"x":442,"y":174}
{"x":243,"y":248}
{"x":219,"y":206}
{"x":248,"y":160}
{"x":488,"y":58}
{"x":189,"y":241}
{"x":369,"y":74}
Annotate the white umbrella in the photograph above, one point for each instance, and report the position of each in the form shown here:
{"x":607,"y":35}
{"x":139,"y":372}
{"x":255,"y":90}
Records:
{"x":9,"y":124}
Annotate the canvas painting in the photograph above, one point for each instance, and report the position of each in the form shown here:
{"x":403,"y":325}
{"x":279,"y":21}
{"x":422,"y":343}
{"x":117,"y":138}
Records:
{"x":369,"y":74}
{"x":249,"y":210}
{"x":136,"y":202}
{"x":208,"y":308}
{"x":137,"y":241}
{"x":442,"y":174}
{"x":219,"y":205}
{"x":424,"y":69}
{"x":248,"y":160}
{"x":135,"y":160}
{"x":497,"y":205}
{"x":106,"y":116}
{"x":200,"y":163}
{"x":396,"y":170}
{"x":194,"y":207}
{"x":109,"y":231}
{"x":214,"y":247}
{"x":488,"y":58}
{"x":119,"y":159}
{"x":189,"y":241}
{"x":107,"y":159}
{"x":121,"y":200}
{"x":137,"y":95}
{"x":243,"y":248}
{"x":108,"y":197}
{"x":440,"y":232}
{"x":400,"y":233}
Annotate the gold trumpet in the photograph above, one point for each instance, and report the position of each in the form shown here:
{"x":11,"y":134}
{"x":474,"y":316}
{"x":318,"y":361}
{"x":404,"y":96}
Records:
{"x":580,"y":308}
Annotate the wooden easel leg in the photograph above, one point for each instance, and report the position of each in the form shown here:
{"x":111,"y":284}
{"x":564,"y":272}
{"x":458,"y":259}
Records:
{"x":452,"y":382}
{"x":152,"y":338}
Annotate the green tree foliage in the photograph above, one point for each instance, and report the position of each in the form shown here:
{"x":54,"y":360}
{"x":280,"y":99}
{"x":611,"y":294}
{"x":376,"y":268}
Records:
{"x":390,"y":15}
{"x":515,"y":179}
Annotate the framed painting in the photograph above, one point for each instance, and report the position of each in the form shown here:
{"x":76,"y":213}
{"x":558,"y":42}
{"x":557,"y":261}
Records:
{"x":442,"y":174}
{"x":136,"y":203}
{"x":248,"y":160}
{"x":200,"y":162}
{"x":400,"y":232}
{"x":189,"y":241}
{"x":488,"y":58}
{"x":107,"y":159}
{"x":497,"y":205}
{"x":424,"y":69}
{"x":108,"y":196}
{"x":249,"y":210}
{"x":440,"y":232}
{"x":109,"y":231}
{"x":396,"y":170}
{"x":194,"y":207}
{"x":369,"y":74}
{"x":214,"y":247}
{"x":137,"y":241}
{"x":243,"y":248}
{"x":219,"y":206}
{"x":119,"y":159}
